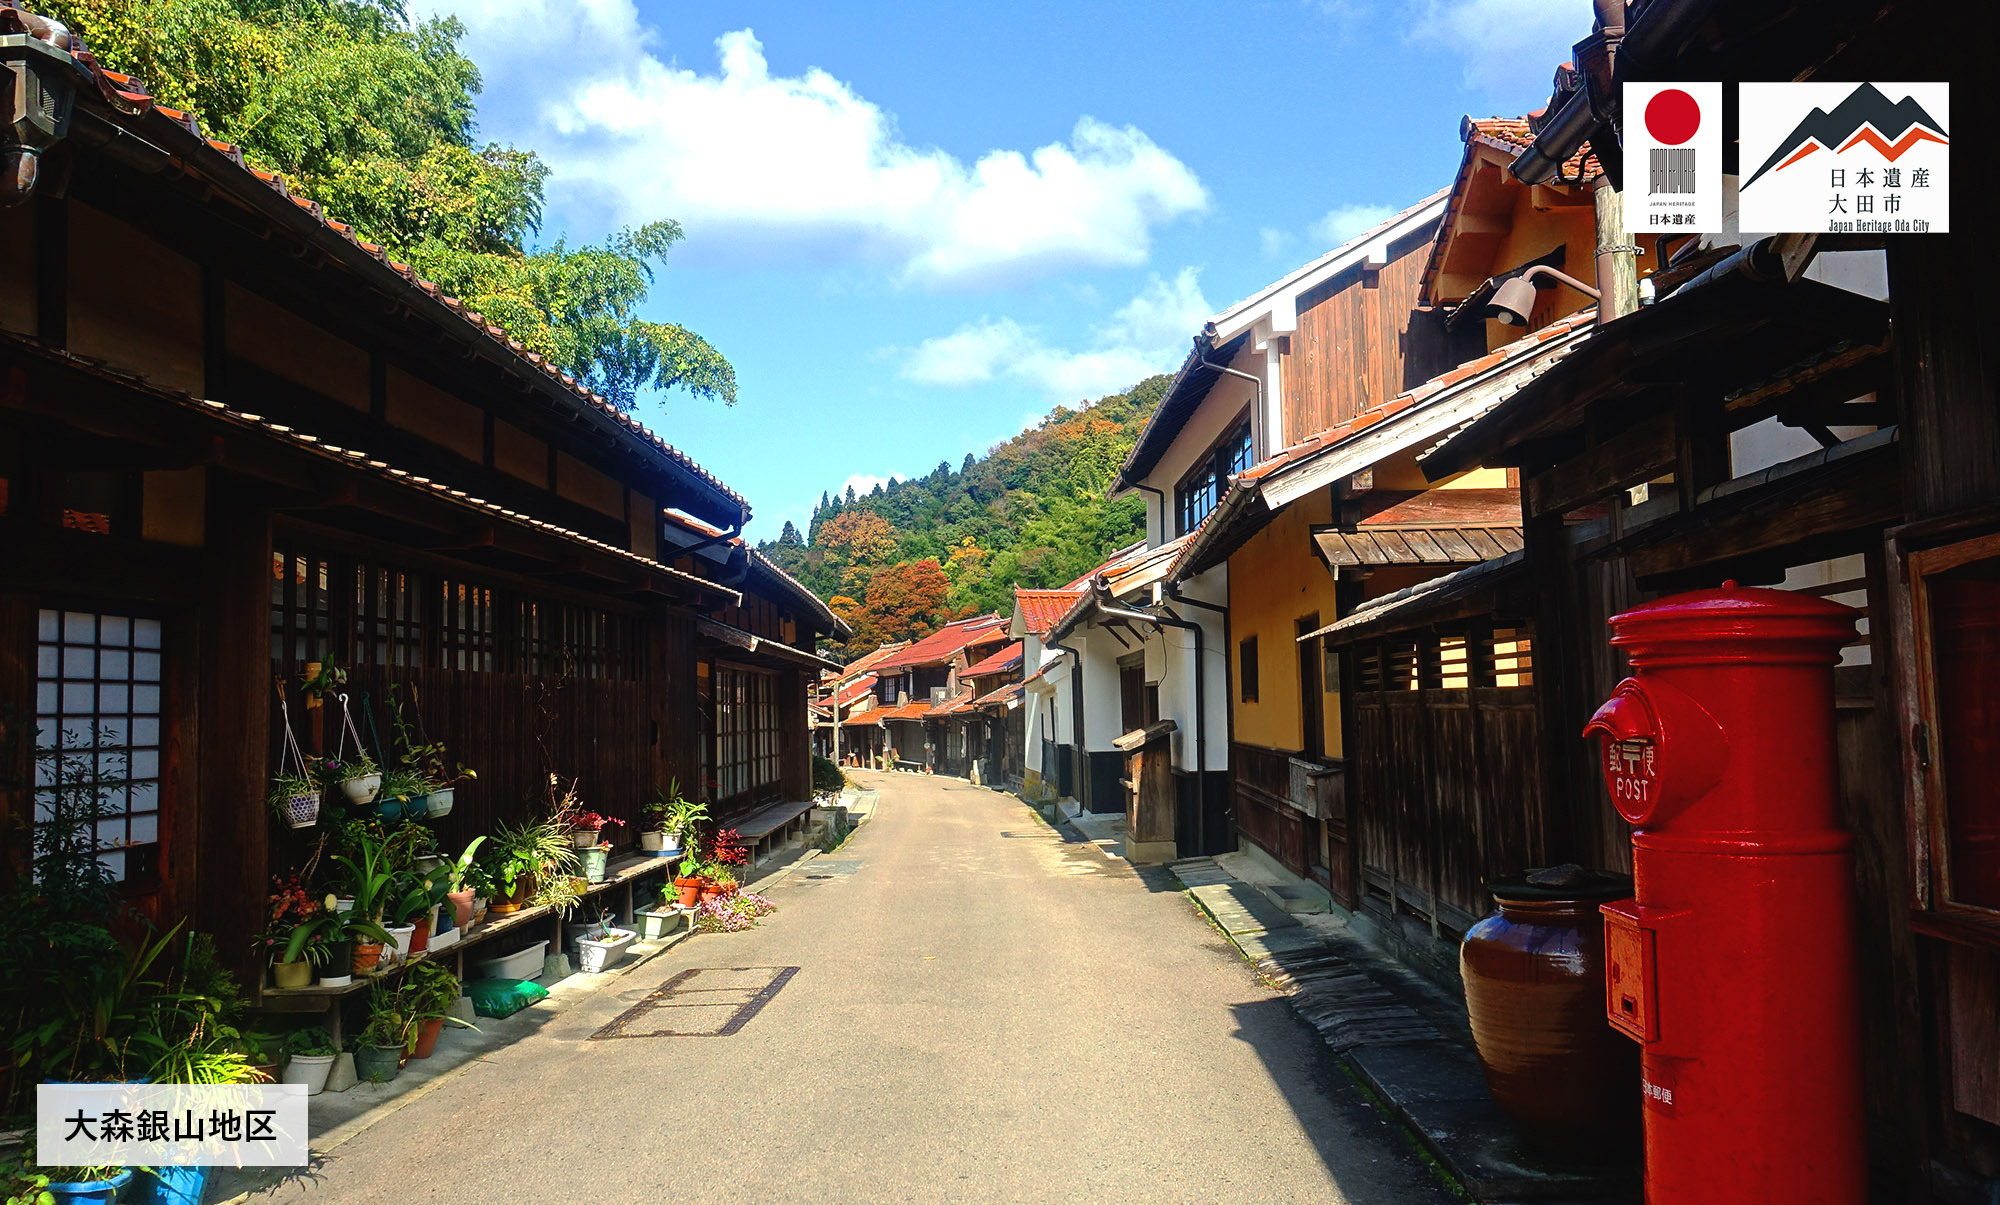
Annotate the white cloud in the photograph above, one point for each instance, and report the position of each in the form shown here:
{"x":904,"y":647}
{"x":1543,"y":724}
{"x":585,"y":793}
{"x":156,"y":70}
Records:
{"x":1510,"y":47}
{"x":763,"y":165}
{"x":1148,"y":334}
{"x":1344,"y":223}
{"x":860,"y":483}
{"x":1274,"y":243}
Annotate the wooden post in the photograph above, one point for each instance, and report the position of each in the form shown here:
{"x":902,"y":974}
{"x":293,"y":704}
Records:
{"x":231,"y":848}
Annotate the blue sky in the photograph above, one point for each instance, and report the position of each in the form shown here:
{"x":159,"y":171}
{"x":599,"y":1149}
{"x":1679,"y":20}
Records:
{"x":914,"y":231}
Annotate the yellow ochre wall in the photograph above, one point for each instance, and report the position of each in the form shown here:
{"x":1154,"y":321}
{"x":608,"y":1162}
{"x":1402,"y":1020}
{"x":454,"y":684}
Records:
{"x":1276,"y":579}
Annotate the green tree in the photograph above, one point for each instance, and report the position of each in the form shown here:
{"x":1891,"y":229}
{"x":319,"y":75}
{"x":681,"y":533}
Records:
{"x":374,"y":116}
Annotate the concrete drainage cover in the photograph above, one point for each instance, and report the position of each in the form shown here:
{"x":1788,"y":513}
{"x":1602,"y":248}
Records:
{"x":822,"y":870}
{"x":700,"y":1002}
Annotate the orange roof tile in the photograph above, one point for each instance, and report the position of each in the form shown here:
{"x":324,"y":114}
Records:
{"x":946,"y":642}
{"x":1041,"y":610}
{"x":999,"y":663}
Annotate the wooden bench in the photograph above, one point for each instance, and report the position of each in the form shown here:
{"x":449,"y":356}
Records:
{"x":623,"y":876}
{"x":771,"y":826}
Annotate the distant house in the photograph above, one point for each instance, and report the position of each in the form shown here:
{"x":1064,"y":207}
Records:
{"x":1049,"y":759}
{"x":915,"y":682}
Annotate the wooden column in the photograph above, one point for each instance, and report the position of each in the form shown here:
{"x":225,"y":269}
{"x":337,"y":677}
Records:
{"x":230,"y":871}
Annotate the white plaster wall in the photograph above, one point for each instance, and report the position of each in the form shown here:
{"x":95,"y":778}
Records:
{"x":1103,"y":718}
{"x":1177,"y":682}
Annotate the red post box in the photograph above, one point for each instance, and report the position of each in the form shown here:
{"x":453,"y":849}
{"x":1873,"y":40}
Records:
{"x":1734,"y":965}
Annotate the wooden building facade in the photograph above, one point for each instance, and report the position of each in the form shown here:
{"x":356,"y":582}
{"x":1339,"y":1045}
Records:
{"x":236,"y":443}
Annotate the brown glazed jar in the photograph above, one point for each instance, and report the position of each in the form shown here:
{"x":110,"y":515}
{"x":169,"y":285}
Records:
{"x":1534,"y":989}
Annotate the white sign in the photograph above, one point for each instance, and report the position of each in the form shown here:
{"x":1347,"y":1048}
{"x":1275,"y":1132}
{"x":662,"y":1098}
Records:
{"x":1673,"y":158}
{"x":166,"y":1125}
{"x":1844,"y":158}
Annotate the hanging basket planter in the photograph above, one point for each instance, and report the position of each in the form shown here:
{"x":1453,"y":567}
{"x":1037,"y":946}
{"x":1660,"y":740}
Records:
{"x":301,"y":810}
{"x":440,"y":802}
{"x":363,"y":788}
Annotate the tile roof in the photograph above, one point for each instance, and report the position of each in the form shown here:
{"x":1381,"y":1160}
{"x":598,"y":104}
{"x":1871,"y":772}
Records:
{"x":1001,"y":696}
{"x":999,"y":663}
{"x":916,"y":709}
{"x":1041,"y":610}
{"x":1514,"y":135}
{"x":223,"y":163}
{"x":1510,"y":136}
{"x":946,"y":642}
{"x":861,"y":687}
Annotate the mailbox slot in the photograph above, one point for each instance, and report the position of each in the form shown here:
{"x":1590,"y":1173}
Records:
{"x":1630,"y":994}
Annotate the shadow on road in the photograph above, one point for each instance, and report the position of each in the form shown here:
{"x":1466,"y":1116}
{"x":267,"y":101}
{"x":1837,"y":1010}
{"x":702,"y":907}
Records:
{"x":1350,"y":1132}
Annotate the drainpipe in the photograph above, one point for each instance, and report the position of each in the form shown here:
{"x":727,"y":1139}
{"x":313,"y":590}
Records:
{"x":1075,"y":697}
{"x":1205,"y":343}
{"x":1170,"y":620}
{"x":1162,"y":496}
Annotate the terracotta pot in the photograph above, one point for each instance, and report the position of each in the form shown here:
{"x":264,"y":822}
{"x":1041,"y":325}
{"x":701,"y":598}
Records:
{"x":366,"y":955}
{"x":690,"y":890}
{"x":514,"y":901}
{"x":268,"y":1070}
{"x":461,"y":907}
{"x":1534,"y":991}
{"x":290,"y":975}
{"x":420,"y":940}
{"x":427,"y":1037}
{"x":710,"y":890}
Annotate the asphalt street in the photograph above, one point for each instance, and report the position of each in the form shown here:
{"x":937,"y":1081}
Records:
{"x":956,"y":1005}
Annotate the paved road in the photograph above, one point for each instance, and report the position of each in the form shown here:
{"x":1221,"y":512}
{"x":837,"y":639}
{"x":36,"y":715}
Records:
{"x":981,"y":1011}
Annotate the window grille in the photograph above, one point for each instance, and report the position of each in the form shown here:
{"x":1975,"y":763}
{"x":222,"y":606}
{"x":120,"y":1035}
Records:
{"x":98,"y":707}
{"x":1513,"y":657}
{"x":747,"y":730}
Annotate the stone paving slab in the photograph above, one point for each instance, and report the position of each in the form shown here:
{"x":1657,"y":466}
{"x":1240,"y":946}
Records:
{"x":1198,"y":872}
{"x":1239,"y":909}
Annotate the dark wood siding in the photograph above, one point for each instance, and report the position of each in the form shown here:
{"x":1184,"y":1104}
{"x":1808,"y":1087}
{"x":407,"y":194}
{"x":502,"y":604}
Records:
{"x":1353,"y":336}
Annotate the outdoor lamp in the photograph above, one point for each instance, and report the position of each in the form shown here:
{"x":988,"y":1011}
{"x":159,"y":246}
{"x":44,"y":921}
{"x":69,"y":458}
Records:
{"x":1514,"y":299}
{"x":37,"y":89}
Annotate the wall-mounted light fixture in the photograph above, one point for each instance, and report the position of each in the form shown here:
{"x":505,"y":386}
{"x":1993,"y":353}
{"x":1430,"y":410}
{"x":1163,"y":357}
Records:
{"x":1514,"y":300}
{"x":37,"y":89}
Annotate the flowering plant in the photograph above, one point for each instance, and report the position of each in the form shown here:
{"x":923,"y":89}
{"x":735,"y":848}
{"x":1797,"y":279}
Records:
{"x":337,"y":770}
{"x":731,"y":914}
{"x":728,"y":849}
{"x":593,"y":821}
{"x":288,"y":909}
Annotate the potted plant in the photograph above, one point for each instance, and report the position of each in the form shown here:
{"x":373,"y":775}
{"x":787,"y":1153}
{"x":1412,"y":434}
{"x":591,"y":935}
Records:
{"x":718,"y":881}
{"x":295,"y":798}
{"x":355,"y":774}
{"x":588,"y":827}
{"x":675,"y":819}
{"x":595,"y":861}
{"x":534,"y":860}
{"x":595,"y":955}
{"x":424,"y":757}
{"x":460,"y":886}
{"x":295,"y":934}
{"x":661,"y":919}
{"x":689,"y":882}
{"x":310,"y":1053}
{"x":403,"y":794}
{"x":412,"y":901}
{"x":385,"y":1041}
{"x":426,"y":998}
{"x":368,"y":882}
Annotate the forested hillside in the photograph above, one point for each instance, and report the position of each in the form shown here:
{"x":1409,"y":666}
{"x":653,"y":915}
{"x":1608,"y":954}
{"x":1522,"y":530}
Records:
{"x":902,"y":559}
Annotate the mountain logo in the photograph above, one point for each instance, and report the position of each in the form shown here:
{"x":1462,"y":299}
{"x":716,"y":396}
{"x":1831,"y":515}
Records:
{"x":1865,"y":118}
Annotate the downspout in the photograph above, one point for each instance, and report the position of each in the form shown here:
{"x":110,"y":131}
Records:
{"x":1205,"y":343}
{"x":1075,"y":694}
{"x":1171,"y":620}
{"x":1162,"y":496}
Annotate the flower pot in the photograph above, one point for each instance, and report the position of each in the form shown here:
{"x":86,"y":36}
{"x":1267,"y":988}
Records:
{"x":290,"y":976}
{"x":80,"y":1191}
{"x":446,"y":939}
{"x":1534,"y":992}
{"x":310,"y":1070}
{"x":378,"y":1064}
{"x":343,"y":903}
{"x":172,"y":1184}
{"x":440,"y":802}
{"x":523,"y":964}
{"x":653,"y":842}
{"x":420,"y":935}
{"x":302,"y":810}
{"x":595,"y":861}
{"x":655,"y":923}
{"x":268,"y":1070}
{"x":339,"y":969}
{"x":388,"y":809}
{"x":427,"y":1037}
{"x":403,"y":935}
{"x":710,"y":891}
{"x":362,"y":788}
{"x":690,"y":890}
{"x":593,"y":957}
{"x":461,"y":907}
{"x":478,"y":908}
{"x":584,"y":837}
{"x":366,"y":955}
{"x":515,"y":900}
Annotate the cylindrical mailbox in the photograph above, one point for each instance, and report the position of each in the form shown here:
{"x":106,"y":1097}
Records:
{"x":1734,"y":965}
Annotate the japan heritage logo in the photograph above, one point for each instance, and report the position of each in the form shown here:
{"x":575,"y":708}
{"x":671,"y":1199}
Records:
{"x":1845,"y":158}
{"x":1673,"y":155}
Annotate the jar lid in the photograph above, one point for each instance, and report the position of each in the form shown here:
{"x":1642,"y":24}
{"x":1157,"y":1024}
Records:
{"x":1566,"y":882}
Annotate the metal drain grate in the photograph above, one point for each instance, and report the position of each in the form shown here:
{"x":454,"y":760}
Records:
{"x":711,"y":1002}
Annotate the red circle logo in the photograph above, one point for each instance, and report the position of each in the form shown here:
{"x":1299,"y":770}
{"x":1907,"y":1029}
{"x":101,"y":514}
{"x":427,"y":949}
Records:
{"x":1672,"y":117}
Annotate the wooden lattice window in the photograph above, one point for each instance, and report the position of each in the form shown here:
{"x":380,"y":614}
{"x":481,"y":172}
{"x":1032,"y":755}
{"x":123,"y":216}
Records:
{"x":388,"y":617}
{"x":1454,"y":663}
{"x":99,"y":687}
{"x":301,"y":607}
{"x":1511,"y":654}
{"x":1400,"y":673}
{"x":747,"y":730}
{"x":468,"y":632}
